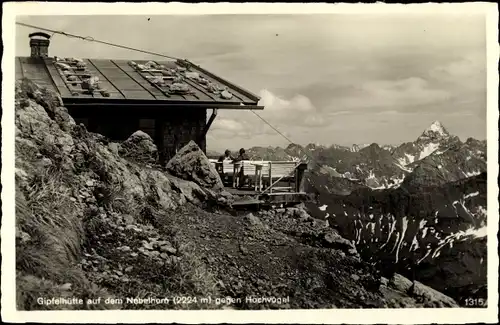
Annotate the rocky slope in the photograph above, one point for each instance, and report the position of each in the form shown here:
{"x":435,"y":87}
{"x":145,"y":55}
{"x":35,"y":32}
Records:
{"x":435,"y":233}
{"x":101,"y":222}
{"x":455,"y":162}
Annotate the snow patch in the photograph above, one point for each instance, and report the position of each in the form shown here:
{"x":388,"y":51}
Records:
{"x":323,"y":207}
{"x":428,"y":149}
{"x":396,"y":242}
{"x":472,"y":173}
{"x":359,"y":231}
{"x":403,"y":167}
{"x":409,"y":158}
{"x":476,"y":232}
{"x":372,"y":226}
{"x":371,"y":175}
{"x":403,"y":232}
{"x":424,"y":232}
{"x":426,"y":254}
{"x":414,"y":244}
{"x":471,"y":232}
{"x":393,"y":227}
{"x":421,"y":224}
{"x":471,"y":195}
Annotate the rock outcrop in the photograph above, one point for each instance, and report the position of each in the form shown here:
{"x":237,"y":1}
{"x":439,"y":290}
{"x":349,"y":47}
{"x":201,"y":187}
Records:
{"x":190,"y":163}
{"x":298,"y":223}
{"x":428,"y":296}
{"x":140,"y":147}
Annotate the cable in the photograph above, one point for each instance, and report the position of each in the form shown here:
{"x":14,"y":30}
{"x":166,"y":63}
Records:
{"x":272,"y":127}
{"x":285,"y":137}
{"x":91,"y":39}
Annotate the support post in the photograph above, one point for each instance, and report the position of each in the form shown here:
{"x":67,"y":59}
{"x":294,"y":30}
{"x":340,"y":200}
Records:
{"x":209,"y":123}
{"x":270,"y":177}
{"x":299,"y":177}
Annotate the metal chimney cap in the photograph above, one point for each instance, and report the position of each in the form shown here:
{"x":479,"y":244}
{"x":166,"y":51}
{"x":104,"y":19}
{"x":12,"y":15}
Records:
{"x":42,"y":34}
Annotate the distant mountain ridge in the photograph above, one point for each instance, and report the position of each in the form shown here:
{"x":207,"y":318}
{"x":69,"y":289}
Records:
{"x":387,"y":166}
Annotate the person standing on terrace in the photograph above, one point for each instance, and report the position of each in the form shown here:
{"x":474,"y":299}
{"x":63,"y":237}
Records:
{"x":239,"y":169}
{"x":219,"y":165}
{"x":226,"y":156}
{"x":241,"y":156}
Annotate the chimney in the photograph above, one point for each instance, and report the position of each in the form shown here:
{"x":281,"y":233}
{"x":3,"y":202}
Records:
{"x":39,"y":43}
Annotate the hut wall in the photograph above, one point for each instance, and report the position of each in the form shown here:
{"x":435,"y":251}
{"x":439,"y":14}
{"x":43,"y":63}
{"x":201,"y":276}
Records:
{"x":170,"y":128}
{"x":182,"y":126}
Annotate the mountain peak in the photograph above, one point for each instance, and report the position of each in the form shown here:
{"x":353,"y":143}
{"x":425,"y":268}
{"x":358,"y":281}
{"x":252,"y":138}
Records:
{"x":436,"y":129}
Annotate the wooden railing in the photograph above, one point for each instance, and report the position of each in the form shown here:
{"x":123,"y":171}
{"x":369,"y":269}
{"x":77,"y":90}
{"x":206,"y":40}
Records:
{"x":266,"y":175}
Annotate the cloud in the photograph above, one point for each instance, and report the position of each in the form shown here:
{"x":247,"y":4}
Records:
{"x":392,"y":95}
{"x":412,"y":90}
{"x":234,"y":124}
{"x":290,"y":116}
{"x":227,"y":125}
{"x":291,"y":112}
{"x":467,"y":74}
{"x":277,"y":105}
{"x":295,"y":111}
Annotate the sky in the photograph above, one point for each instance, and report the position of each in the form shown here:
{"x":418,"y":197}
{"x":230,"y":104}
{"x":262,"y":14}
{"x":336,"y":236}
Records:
{"x":327,"y":79}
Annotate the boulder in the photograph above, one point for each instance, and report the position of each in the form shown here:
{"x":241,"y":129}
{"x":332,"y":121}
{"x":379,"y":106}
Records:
{"x":429,"y":296}
{"x":140,"y":147}
{"x":225,"y":198}
{"x":332,"y":239}
{"x":253,"y":221}
{"x":298,"y":213}
{"x":191,"y":164}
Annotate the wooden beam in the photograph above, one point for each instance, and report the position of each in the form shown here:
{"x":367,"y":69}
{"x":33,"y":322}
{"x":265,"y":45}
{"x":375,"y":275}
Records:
{"x":91,"y":102}
{"x":209,"y":123}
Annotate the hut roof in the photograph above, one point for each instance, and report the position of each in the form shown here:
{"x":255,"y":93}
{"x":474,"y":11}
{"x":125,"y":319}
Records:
{"x":138,"y":82}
